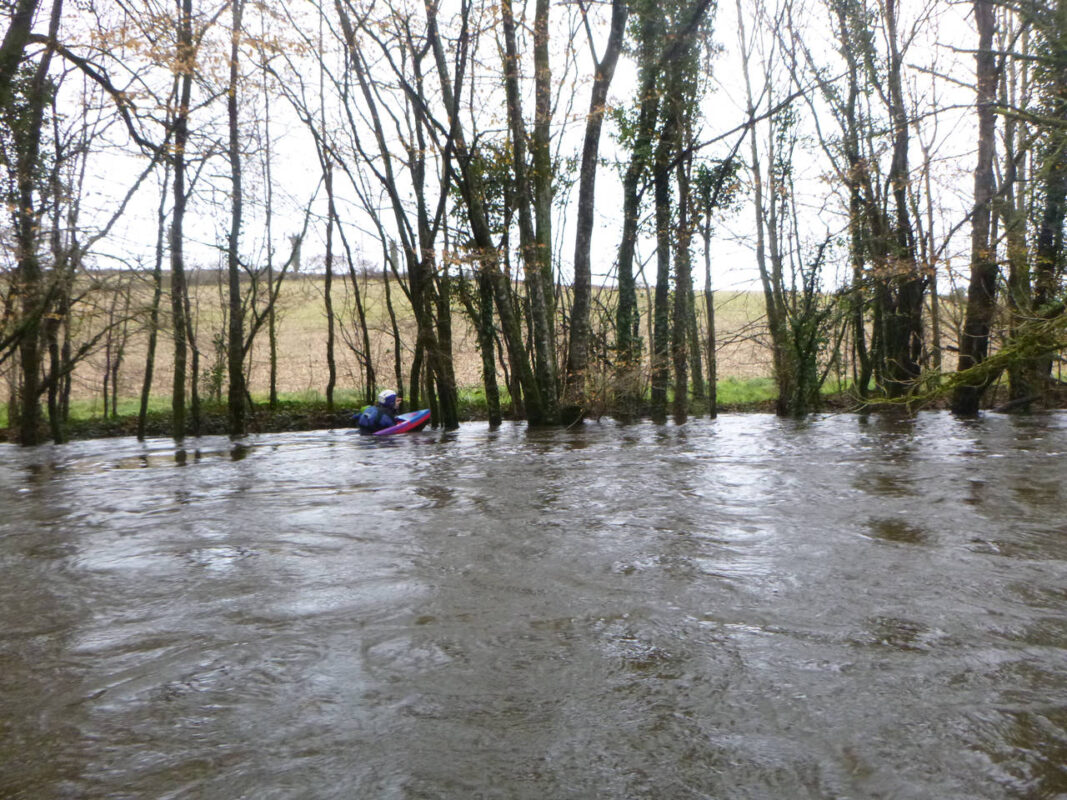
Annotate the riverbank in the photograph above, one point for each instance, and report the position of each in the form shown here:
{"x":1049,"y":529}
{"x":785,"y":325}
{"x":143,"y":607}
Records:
{"x":310,"y":411}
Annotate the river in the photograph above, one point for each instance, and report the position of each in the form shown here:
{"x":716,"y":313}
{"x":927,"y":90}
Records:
{"x":847,"y":607}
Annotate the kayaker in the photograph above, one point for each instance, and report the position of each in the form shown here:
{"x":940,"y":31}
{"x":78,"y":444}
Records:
{"x":382,"y":414}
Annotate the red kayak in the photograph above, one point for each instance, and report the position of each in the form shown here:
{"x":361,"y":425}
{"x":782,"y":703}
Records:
{"x":408,"y":423}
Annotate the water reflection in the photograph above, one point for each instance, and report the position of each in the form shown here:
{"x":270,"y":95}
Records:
{"x":749,"y":607}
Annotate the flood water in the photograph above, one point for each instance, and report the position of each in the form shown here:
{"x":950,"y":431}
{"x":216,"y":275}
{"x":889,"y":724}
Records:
{"x":747,"y":608}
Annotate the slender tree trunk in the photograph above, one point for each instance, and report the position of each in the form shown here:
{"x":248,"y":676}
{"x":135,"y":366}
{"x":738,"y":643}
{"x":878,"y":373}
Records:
{"x":415,"y":377}
{"x":185,"y":65}
{"x":541,"y":176}
{"x":709,"y":311}
{"x":533,"y":259}
{"x":578,"y":352}
{"x":681,"y":327}
{"x":903,"y":319}
{"x":235,"y":398}
{"x":191,"y":323}
{"x":57,"y":367}
{"x":1013,"y":211}
{"x":442,"y":371}
{"x":981,"y":294}
{"x":696,"y":357}
{"x":268,"y":212}
{"x":485,"y":341}
{"x":361,"y":319}
{"x":661,"y":329}
{"x":397,"y":366}
{"x":153,"y":309}
{"x":122,"y":339}
{"x":935,"y":299}
{"x":63,"y":265}
{"x":331,"y":322}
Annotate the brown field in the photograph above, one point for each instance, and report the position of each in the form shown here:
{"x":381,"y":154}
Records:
{"x":302,"y":337}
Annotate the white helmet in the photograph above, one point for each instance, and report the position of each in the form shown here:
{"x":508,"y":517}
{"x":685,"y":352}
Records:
{"x":387,"y":398}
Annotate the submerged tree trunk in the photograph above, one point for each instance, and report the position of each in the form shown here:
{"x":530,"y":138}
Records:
{"x":709,"y":311}
{"x":153,"y":309}
{"x":331,"y":321}
{"x":530,"y":197}
{"x":268,"y":212}
{"x":192,"y":322}
{"x":235,"y":398}
{"x":902,"y":313}
{"x":486,"y":345}
{"x":1013,"y":214}
{"x":578,"y":352}
{"x":28,"y":273}
{"x":981,"y":293}
{"x":661,"y":329}
{"x":681,"y":327}
{"x":186,"y":56}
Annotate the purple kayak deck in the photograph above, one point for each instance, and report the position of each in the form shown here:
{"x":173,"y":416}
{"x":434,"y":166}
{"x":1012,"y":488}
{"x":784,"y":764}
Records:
{"x":408,"y":423}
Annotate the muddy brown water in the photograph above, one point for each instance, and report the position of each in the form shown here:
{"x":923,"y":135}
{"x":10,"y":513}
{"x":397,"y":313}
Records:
{"x":747,"y":608}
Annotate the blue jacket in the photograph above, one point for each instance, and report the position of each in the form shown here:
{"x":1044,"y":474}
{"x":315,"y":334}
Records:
{"x":376,"y":418}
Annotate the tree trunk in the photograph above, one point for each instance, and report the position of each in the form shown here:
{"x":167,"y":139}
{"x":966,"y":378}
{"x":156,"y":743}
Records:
{"x":28,"y":272}
{"x":485,"y":342}
{"x":397,"y":366}
{"x":235,"y":398}
{"x":533,"y":259}
{"x":191,"y":324}
{"x":683,"y":292}
{"x":268,"y":211}
{"x":578,"y":352}
{"x":1013,"y":213}
{"x":361,"y":319}
{"x":661,"y":329}
{"x":14,"y":44}
{"x":153,"y":310}
{"x":903,"y":317}
{"x":331,"y":321}
{"x":709,"y":310}
{"x":627,"y":316}
{"x":541,"y":178}
{"x":981,"y":293}
{"x":185,"y":65}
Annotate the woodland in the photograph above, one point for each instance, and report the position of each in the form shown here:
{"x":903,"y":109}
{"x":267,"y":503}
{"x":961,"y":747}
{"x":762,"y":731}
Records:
{"x":568,"y":184}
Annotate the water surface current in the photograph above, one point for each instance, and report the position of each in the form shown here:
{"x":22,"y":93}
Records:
{"x":847,"y":607}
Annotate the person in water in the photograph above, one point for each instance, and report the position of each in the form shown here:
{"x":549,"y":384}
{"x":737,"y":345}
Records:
{"x":382,"y":414}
